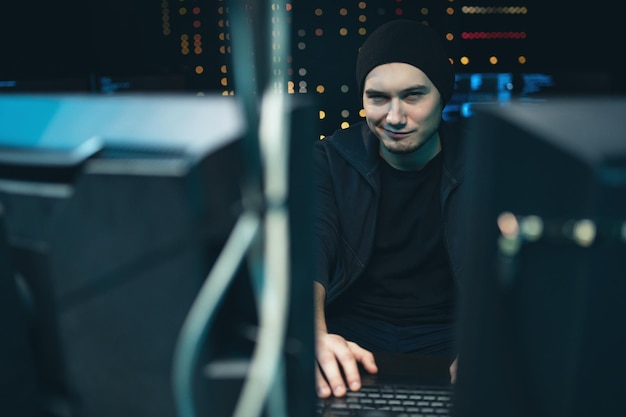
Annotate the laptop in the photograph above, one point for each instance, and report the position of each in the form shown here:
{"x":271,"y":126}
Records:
{"x":406,"y":385}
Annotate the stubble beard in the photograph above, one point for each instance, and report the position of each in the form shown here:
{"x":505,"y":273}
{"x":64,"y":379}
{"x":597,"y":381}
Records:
{"x":399,"y":147}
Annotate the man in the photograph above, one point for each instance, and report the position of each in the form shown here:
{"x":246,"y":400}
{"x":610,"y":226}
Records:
{"x":388,"y":214}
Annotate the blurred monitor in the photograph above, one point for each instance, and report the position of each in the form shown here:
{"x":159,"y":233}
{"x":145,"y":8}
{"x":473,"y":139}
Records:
{"x":116,"y":208}
{"x":541,"y":328}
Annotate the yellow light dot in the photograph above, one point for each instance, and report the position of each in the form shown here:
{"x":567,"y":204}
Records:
{"x":199,"y":69}
{"x":493,"y":60}
{"x":322,"y":114}
{"x":345,"y":125}
{"x":464,"y":60}
{"x":320,"y":89}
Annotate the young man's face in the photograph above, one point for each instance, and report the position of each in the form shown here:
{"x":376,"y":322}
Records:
{"x":402,"y":106}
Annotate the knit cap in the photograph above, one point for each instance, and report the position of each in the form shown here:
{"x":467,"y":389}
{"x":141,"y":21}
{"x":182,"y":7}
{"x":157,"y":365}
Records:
{"x":410,"y":42}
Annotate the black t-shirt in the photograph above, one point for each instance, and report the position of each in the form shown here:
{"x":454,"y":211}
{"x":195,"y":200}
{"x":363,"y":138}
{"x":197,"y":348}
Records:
{"x":408,"y":279}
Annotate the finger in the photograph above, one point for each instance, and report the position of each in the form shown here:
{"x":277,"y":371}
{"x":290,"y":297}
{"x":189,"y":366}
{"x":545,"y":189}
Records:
{"x":323,"y":389}
{"x":453,"y":371}
{"x":349,"y":364}
{"x":327,"y":361}
{"x":365,"y":357}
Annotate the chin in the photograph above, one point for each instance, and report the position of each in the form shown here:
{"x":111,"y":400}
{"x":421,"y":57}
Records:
{"x":399,"y":147}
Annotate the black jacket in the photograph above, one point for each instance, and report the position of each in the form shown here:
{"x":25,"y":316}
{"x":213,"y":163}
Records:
{"x":347,"y":180}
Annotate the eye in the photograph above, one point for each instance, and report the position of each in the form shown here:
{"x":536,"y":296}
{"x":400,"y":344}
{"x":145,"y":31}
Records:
{"x":378,"y":98}
{"x":414,"y":95}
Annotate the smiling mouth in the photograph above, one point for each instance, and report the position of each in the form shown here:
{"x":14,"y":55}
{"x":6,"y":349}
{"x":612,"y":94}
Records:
{"x":396,"y":135}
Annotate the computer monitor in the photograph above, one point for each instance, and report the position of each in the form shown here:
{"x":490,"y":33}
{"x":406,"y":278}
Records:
{"x":540,"y":330}
{"x":116,"y":208}
{"x":18,"y":385}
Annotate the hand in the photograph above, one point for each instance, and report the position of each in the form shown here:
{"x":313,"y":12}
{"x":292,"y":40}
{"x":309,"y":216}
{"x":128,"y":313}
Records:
{"x":453,"y":369}
{"x":336,"y":358}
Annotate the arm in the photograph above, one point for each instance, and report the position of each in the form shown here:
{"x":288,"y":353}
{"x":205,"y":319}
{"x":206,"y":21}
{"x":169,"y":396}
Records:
{"x":336,"y":355}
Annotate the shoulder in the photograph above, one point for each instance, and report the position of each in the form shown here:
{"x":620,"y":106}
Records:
{"x":346,"y":137}
{"x":355,"y":146}
{"x":451,"y":133}
{"x":357,"y":139}
{"x":452,"y":142}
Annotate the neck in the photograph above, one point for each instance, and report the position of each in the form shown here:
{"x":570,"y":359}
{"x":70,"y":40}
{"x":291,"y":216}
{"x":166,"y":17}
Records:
{"x":415,"y":160}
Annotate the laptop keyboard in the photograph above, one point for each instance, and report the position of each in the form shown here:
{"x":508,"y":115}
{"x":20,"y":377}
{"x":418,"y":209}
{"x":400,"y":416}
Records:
{"x":389,"y":400}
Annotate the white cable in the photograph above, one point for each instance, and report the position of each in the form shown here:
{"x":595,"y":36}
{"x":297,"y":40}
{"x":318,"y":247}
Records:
{"x":268,"y":350}
{"x":267,"y":356}
{"x":266,"y":365}
{"x":204,"y":307}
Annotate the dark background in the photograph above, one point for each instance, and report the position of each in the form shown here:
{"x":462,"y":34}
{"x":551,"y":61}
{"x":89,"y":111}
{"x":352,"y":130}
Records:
{"x":107,"y":46}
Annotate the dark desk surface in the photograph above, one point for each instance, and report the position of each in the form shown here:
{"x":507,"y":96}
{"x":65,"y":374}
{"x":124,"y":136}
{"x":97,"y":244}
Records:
{"x":410,"y":368}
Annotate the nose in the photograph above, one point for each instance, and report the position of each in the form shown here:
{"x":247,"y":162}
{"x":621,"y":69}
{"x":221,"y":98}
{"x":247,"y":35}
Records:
{"x":395,"y":114}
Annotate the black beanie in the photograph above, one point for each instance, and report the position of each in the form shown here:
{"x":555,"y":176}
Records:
{"x":410,"y":42}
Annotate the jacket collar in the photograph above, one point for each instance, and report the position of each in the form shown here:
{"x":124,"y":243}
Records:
{"x":359,"y":147}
